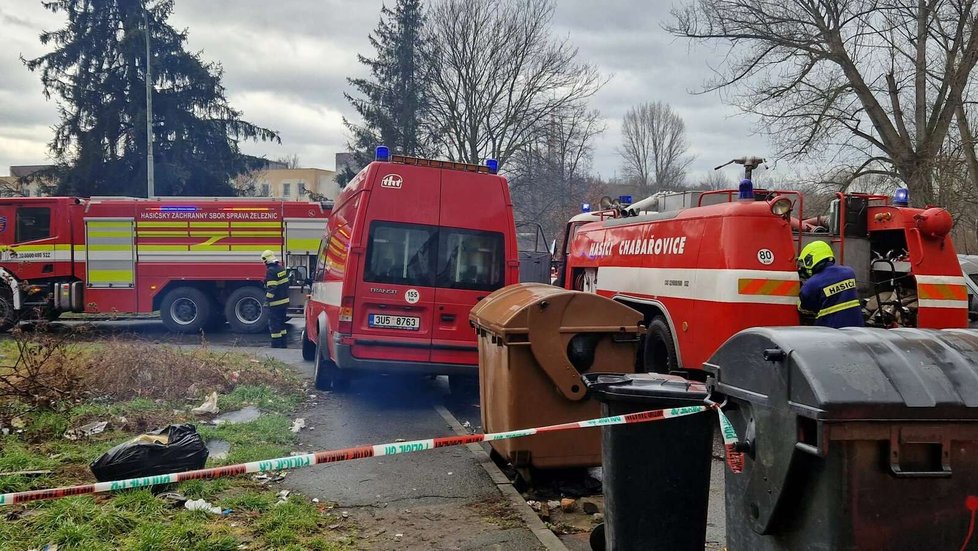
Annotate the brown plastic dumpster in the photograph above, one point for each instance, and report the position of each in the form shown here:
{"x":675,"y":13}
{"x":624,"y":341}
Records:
{"x":535,"y":341}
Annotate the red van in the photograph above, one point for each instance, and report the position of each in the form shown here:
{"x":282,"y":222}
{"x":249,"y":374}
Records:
{"x":411,"y":246}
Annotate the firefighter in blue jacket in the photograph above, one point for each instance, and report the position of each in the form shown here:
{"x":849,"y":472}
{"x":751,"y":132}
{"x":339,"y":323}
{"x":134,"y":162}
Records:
{"x":277,"y":295}
{"x":829,"y":294}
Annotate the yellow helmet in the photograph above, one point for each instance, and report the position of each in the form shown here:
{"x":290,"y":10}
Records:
{"x":812,"y":255}
{"x":268,"y":257}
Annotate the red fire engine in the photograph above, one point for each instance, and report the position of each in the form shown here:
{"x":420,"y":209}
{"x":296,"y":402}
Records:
{"x":196,"y":261}
{"x":702,"y":266}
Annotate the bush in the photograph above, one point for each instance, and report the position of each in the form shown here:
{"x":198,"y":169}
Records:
{"x":45,"y":369}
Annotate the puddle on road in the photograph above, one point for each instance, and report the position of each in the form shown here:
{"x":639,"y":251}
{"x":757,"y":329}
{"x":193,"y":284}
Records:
{"x":218,"y":449}
{"x":249,"y":413}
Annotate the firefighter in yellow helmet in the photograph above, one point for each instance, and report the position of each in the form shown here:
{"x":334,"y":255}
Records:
{"x":277,"y":295}
{"x":829,"y":292}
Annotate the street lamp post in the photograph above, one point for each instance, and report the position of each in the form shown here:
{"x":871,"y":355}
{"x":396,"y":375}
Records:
{"x":150,"y":184}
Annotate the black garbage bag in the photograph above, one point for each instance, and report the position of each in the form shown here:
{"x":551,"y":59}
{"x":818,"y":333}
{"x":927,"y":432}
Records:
{"x":172,"y":449}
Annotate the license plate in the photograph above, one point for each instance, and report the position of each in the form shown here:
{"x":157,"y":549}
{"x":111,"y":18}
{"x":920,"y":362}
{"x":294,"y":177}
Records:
{"x":394,"y":322}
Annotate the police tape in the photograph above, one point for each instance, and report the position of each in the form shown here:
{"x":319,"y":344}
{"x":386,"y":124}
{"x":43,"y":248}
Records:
{"x":393,"y":448}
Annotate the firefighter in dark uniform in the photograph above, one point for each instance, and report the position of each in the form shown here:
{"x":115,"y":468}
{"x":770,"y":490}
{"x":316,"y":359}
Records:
{"x":829,"y":294}
{"x":277,"y":295}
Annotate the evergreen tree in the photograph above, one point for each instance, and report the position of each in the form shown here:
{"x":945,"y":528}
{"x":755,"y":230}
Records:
{"x":392,"y":100}
{"x":98,"y":73}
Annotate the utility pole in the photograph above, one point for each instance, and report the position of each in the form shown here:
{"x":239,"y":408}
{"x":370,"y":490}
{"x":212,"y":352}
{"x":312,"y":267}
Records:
{"x":150,"y":183}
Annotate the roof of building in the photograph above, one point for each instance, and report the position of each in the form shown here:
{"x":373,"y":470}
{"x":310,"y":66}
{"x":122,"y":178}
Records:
{"x":21,"y":171}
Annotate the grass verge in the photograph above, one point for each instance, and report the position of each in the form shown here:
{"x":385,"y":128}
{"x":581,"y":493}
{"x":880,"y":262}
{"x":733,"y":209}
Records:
{"x":138,"y":519}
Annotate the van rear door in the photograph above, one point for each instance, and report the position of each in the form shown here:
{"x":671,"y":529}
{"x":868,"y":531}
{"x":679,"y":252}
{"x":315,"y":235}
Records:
{"x":474,"y":216}
{"x":395,"y":297}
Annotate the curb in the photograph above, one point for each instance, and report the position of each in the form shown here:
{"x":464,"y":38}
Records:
{"x":547,"y":539}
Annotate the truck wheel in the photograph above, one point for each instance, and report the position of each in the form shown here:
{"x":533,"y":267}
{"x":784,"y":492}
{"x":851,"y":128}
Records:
{"x":659,"y":353}
{"x":8,"y":316}
{"x":245,"y":310}
{"x":308,"y":348}
{"x":328,"y":376}
{"x":185,"y":310}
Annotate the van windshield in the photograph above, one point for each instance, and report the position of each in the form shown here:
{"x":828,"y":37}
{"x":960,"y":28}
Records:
{"x":432,"y":256}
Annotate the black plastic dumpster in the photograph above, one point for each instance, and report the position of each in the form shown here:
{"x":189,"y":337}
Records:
{"x":855,"y":438}
{"x":657,"y":474}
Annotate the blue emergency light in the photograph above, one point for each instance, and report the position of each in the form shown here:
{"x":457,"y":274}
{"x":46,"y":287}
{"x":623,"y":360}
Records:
{"x":746,"y":189}
{"x":585,"y":207}
{"x":901,"y":197}
{"x":492,"y":165}
{"x":625,"y":199}
{"x":382,"y":153}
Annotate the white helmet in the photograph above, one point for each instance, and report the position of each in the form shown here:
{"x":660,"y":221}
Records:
{"x":268,"y":257}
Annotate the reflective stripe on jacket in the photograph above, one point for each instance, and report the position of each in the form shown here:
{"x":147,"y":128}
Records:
{"x":832,"y":297}
{"x":276,"y":285}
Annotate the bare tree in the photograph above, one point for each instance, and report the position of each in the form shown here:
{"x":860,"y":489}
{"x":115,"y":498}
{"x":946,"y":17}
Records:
{"x":549,"y":178}
{"x":654,"y":148}
{"x":290,"y":161}
{"x":496,"y":75}
{"x":714,"y":180}
{"x":880,"y":80}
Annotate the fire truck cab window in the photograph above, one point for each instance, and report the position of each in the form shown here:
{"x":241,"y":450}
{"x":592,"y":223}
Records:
{"x":33,"y":223}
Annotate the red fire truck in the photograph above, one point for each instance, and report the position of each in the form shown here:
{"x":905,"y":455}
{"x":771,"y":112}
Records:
{"x":411,"y":246}
{"x":196,"y":261}
{"x":702,"y":266}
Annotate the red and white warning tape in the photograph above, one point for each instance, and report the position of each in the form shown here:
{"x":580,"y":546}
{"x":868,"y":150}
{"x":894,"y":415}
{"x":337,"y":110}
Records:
{"x":394,"y":448}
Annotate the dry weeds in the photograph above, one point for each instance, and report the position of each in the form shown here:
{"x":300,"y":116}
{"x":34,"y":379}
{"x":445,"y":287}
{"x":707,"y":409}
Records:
{"x":47,"y":369}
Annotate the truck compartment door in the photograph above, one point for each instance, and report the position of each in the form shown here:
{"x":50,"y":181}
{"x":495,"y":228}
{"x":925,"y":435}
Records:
{"x":110,"y":253}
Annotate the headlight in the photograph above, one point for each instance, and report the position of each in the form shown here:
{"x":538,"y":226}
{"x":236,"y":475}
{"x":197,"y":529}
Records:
{"x":781,"y":206}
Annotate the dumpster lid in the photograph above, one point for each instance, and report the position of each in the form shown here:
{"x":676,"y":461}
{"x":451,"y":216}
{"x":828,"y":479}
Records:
{"x":853,"y":373}
{"x":644,"y":387}
{"x":506,"y":311}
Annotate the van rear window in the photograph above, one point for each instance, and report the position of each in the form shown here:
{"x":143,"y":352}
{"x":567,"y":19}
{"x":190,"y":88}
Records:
{"x":432,"y":256}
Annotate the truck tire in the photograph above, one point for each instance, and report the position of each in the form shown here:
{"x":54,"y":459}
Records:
{"x":308,"y":348}
{"x":245,"y":310}
{"x":659,"y":352}
{"x":8,"y":316}
{"x":328,"y":375}
{"x":185,"y":310}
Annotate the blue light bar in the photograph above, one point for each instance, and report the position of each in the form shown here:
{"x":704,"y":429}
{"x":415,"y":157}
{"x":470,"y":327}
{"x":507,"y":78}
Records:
{"x":492,"y":165}
{"x":382,"y":153}
{"x":585,"y":207}
{"x":625,"y":199}
{"x":901,"y":197}
{"x":179,"y":209}
{"x":746,"y":189}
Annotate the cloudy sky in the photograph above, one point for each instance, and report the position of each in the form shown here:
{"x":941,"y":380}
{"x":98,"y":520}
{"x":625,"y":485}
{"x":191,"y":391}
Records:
{"x":286,"y":64}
